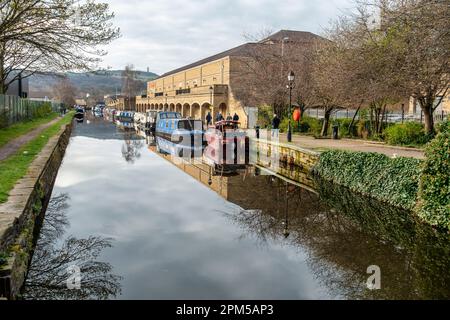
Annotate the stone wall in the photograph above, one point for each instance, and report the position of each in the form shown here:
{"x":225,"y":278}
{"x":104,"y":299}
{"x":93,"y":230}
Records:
{"x":22,"y":215}
{"x":278,"y":155}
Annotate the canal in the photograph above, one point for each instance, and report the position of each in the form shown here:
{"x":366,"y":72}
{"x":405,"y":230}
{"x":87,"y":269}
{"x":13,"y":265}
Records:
{"x":133,"y":225}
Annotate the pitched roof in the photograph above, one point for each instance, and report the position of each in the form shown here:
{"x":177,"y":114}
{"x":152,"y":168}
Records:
{"x":292,"y":35}
{"x":236,"y":51}
{"x":242,"y":50}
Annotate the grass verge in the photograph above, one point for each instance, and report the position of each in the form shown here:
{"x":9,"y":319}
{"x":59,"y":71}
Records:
{"x":19,"y":129}
{"x":15,"y":167}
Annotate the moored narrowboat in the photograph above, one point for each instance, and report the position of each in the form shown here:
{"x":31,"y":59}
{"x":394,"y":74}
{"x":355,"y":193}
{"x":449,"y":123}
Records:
{"x":179,"y":137}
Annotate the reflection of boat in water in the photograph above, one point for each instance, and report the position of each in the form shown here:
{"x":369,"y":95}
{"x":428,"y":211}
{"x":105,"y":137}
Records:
{"x":177,"y":136}
{"x":79,"y":115}
{"x":228,"y":147}
{"x":124,"y":124}
{"x":146,"y":121}
{"x":124,"y":116}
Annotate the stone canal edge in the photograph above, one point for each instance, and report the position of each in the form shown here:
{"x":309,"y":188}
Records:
{"x":22,"y":215}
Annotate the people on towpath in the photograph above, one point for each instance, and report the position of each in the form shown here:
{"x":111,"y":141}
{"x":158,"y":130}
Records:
{"x":209,"y":119}
{"x":275,"y":126}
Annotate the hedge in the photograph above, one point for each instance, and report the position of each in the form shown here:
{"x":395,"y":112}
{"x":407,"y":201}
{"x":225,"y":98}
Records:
{"x":407,"y":134}
{"x":434,"y":194}
{"x":394,"y":181}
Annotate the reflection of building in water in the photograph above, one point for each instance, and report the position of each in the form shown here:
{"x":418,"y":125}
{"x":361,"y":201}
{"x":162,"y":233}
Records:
{"x":343,"y":234}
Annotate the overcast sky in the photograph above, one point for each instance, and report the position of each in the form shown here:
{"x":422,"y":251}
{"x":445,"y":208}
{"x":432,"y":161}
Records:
{"x":167,"y":34}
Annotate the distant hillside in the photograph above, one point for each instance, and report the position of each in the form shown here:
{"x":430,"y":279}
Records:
{"x":99,"y":82}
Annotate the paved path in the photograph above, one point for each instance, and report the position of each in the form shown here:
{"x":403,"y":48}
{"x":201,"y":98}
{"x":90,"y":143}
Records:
{"x":352,"y":145}
{"x":15,"y":144}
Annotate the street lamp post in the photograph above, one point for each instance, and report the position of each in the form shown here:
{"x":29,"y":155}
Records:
{"x":291,"y":79}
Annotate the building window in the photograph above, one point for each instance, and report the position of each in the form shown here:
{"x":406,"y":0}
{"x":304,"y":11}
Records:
{"x":183,"y":91}
{"x":159,"y":94}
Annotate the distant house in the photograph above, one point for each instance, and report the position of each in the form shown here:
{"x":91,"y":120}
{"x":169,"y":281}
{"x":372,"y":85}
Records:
{"x":120,"y":102}
{"x":19,"y":87}
{"x":81,"y":102}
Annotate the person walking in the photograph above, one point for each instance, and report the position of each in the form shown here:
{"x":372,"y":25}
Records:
{"x":275,"y":126}
{"x":209,"y":119}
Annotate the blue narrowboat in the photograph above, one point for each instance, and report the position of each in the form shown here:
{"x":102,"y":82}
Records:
{"x":177,"y":136}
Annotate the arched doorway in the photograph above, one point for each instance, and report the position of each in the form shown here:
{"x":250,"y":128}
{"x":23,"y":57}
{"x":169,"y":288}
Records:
{"x":206,"y":107}
{"x":196,"y":111}
{"x":186,"y":110}
{"x":222,"y":109}
{"x":178,"y":108}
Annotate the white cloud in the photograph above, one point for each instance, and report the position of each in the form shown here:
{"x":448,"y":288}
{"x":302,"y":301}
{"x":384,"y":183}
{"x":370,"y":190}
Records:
{"x":164,"y":35}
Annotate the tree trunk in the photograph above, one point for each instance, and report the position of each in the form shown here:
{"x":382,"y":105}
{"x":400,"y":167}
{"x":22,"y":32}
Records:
{"x":326,"y":123}
{"x":428,"y":118}
{"x":2,"y":72}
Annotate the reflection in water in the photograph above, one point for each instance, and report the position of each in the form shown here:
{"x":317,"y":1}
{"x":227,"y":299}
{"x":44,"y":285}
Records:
{"x":48,"y":273}
{"x":131,"y":146}
{"x":185,"y":231}
{"x":345,"y":233}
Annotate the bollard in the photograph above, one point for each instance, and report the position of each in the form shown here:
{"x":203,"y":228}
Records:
{"x":335,"y":132}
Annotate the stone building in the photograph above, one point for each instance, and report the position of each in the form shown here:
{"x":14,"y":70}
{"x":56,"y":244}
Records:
{"x":209,"y":85}
{"x":121,"y":103}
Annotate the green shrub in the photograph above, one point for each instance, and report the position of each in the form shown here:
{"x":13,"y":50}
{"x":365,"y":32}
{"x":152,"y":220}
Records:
{"x":42,"y":110}
{"x":395,"y":181}
{"x":344,"y":127}
{"x":434,"y":195}
{"x":265,"y":116}
{"x":407,"y":134}
{"x":306,"y":125}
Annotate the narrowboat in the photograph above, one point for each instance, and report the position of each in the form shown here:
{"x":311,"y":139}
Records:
{"x":177,"y":136}
{"x":79,"y":114}
{"x":228,"y":147}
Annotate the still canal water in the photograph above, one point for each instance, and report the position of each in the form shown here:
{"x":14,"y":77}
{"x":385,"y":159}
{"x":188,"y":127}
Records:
{"x":140,"y":227}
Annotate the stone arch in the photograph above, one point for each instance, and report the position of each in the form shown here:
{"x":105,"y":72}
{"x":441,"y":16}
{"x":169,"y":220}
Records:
{"x":178,"y":108}
{"x":196,"y":112}
{"x":172,"y":107}
{"x":206,"y":107}
{"x":186,"y":110}
{"x":161,"y":107}
{"x":222,"y":109}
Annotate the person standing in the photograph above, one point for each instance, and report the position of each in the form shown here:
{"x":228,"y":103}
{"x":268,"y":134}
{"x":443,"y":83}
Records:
{"x":219,"y":117}
{"x":209,"y":119}
{"x":236,"y":120}
{"x":229,"y":117}
{"x":275,"y":126}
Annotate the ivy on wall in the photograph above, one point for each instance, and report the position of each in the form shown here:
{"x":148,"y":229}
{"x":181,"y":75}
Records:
{"x":394,"y":181}
{"x":434,"y":195}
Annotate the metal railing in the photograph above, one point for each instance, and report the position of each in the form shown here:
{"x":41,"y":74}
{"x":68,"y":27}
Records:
{"x":15,"y":109}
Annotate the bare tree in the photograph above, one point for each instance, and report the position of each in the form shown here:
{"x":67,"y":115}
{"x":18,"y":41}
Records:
{"x":131,"y":87}
{"x":263,"y":68}
{"x":51,"y":35}
{"x":419,"y":36}
{"x":65,"y":92}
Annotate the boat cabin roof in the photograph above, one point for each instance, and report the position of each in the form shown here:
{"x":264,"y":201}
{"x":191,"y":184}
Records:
{"x":226,"y":124}
{"x":169,"y":115}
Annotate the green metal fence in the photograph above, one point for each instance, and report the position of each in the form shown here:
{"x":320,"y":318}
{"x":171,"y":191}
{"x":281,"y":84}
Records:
{"x":14,"y":109}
